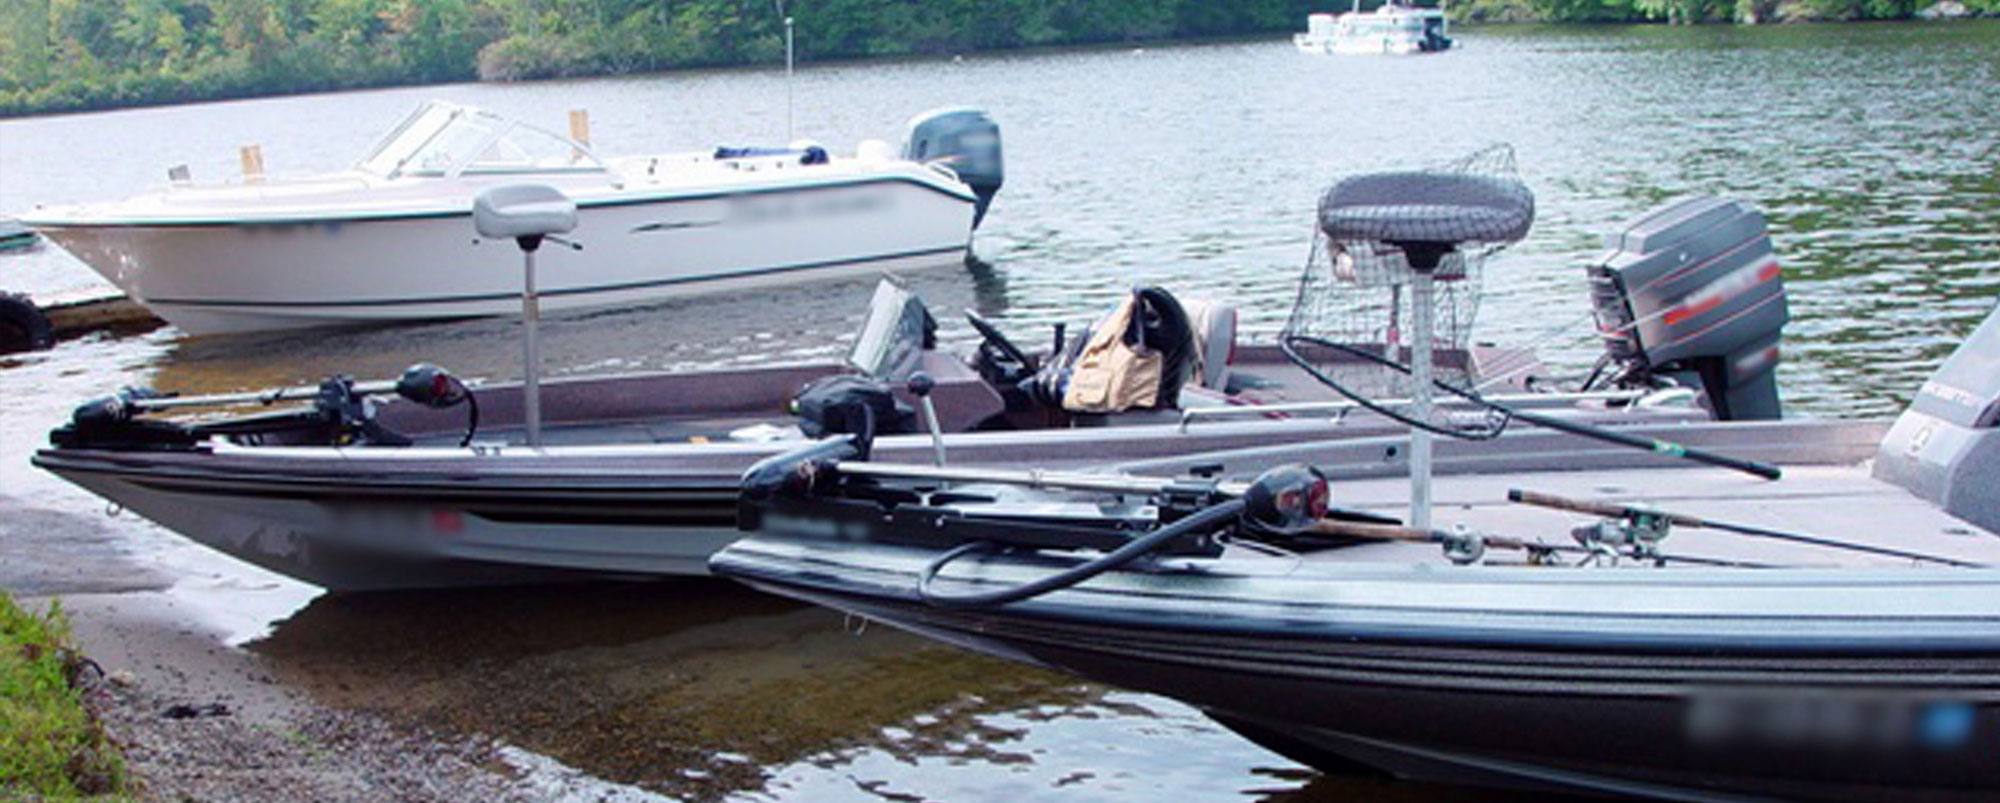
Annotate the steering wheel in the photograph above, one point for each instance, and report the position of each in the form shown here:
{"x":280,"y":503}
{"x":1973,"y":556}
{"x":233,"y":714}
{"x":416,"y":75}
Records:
{"x":997,"y":340}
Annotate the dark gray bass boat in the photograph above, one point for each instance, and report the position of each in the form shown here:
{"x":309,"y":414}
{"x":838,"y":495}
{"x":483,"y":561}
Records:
{"x":1693,"y":632}
{"x":428,"y":482}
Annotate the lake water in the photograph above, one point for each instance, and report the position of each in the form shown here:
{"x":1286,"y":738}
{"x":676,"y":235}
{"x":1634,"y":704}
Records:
{"x":1873,"y":149}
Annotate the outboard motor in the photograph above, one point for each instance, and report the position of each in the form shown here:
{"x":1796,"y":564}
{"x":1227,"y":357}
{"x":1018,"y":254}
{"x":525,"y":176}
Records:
{"x":1946,"y":446}
{"x":1693,"y":288}
{"x":967,"y":141}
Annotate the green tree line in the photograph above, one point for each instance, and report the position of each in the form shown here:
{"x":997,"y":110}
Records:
{"x":1697,"y":11}
{"x":59,"y":55}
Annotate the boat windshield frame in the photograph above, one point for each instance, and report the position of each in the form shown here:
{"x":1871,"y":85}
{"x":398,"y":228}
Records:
{"x":438,"y":133}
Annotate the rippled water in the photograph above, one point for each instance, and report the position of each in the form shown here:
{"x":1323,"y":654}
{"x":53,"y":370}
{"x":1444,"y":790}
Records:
{"x":1874,"y":149}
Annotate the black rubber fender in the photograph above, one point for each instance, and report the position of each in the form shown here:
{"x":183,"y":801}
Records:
{"x":23,"y":327}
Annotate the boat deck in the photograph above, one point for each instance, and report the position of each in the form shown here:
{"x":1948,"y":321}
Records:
{"x":707,"y":406}
{"x":1834,"y":501}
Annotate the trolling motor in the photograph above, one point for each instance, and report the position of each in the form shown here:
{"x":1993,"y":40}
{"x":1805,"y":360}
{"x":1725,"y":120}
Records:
{"x":830,"y":488}
{"x":342,"y":412}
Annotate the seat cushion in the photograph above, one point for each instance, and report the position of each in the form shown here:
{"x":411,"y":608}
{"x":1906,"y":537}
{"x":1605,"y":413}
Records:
{"x":1426,"y":207}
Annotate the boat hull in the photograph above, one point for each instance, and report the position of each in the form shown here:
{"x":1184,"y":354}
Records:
{"x":332,"y":268}
{"x":1670,"y":684}
{"x":417,"y":535}
{"x":379,"y":518}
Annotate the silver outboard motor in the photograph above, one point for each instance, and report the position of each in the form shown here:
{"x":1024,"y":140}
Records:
{"x":1693,"y":290}
{"x":1946,"y":446}
{"x":967,"y":141}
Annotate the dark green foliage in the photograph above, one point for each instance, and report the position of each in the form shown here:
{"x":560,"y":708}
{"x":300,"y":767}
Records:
{"x":58,"y":55}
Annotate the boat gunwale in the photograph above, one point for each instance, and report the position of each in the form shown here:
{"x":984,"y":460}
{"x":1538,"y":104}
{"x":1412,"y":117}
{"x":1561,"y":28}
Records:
{"x":56,"y":225}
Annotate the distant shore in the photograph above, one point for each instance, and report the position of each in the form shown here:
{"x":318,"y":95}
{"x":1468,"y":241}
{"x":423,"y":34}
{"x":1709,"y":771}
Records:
{"x":93,"y":57}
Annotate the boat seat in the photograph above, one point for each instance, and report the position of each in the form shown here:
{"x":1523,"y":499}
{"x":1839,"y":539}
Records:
{"x":1420,"y":207}
{"x":515,"y":211}
{"x":1214,"y":341}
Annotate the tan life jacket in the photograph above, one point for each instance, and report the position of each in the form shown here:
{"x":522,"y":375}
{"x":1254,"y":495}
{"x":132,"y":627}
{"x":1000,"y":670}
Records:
{"x":1110,"y":375}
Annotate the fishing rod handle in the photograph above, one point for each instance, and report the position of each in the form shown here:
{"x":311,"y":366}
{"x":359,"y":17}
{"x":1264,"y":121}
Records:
{"x":1380,"y":532}
{"x":1605,"y":509}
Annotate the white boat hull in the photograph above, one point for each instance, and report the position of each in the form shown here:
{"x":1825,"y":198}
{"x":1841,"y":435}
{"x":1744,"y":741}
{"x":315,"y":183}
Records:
{"x":222,"y":276}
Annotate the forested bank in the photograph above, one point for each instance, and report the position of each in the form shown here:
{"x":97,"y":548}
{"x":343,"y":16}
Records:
{"x":59,"y":55}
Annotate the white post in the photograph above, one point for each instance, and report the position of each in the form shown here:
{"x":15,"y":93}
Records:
{"x":788,"y":81}
{"x":1420,"y":399}
{"x":531,"y":385}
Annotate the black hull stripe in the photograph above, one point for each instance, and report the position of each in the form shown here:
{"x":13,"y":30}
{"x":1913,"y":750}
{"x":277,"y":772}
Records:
{"x":566,"y":291}
{"x":1974,"y":679}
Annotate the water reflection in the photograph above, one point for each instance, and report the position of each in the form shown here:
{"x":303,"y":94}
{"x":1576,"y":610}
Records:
{"x":704,"y":690}
{"x":785,"y":324}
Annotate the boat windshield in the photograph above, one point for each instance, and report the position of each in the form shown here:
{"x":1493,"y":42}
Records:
{"x":442,"y":139}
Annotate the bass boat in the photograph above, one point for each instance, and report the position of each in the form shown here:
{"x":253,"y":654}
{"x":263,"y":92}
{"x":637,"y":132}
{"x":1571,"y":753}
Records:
{"x":1827,"y":629}
{"x":387,"y":240}
{"x":430,"y":481}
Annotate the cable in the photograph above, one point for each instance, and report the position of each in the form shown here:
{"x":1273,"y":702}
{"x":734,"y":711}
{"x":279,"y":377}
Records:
{"x":472,"y":413}
{"x":1491,"y":431}
{"x":1205,"y":518}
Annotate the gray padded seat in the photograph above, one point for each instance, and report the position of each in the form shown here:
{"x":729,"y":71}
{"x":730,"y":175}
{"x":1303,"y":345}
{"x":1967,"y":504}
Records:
{"x":1426,"y":207}
{"x":523,"y":210}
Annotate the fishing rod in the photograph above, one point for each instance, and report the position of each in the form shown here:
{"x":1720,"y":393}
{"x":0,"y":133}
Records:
{"x":1655,"y":445}
{"x":1654,"y":517}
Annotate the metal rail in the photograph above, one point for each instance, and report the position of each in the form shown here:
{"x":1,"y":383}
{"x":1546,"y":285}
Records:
{"x":1639,"y":398}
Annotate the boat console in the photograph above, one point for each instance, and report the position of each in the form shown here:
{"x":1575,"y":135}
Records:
{"x":1946,"y":446}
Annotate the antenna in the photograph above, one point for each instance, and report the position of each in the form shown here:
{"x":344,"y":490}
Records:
{"x":788,"y":69}
{"x":788,"y":79}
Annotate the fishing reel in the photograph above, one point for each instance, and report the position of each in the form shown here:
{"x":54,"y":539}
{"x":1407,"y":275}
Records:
{"x":1637,"y":535}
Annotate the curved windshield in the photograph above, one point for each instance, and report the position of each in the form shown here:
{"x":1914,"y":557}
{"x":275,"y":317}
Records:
{"x":441,"y":139}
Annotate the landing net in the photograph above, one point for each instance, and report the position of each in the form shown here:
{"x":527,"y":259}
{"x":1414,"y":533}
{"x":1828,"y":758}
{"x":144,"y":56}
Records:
{"x":1351,"y":323}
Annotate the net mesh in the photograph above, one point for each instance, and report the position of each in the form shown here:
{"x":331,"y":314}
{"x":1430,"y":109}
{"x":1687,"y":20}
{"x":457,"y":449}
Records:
{"x":1351,"y":321}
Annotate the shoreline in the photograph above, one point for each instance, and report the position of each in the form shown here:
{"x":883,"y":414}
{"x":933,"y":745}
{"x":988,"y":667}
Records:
{"x":199,"y":717}
{"x":1789,"y":14}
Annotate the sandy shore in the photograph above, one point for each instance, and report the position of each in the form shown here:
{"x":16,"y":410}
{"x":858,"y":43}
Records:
{"x":201,"y":720}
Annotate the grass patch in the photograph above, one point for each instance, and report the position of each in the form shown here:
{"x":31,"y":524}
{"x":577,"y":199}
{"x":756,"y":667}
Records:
{"x":51,"y":745}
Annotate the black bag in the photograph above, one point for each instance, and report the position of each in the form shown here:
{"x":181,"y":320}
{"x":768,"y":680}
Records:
{"x":845,"y":403}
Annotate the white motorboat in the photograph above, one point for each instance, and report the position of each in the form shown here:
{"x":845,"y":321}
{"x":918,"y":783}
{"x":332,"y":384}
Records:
{"x":1392,"y":28}
{"x":387,"y":239}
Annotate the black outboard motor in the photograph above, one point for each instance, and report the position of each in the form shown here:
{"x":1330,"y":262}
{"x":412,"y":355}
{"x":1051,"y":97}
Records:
{"x":967,"y":141}
{"x":1946,"y":446}
{"x":1693,"y":288}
